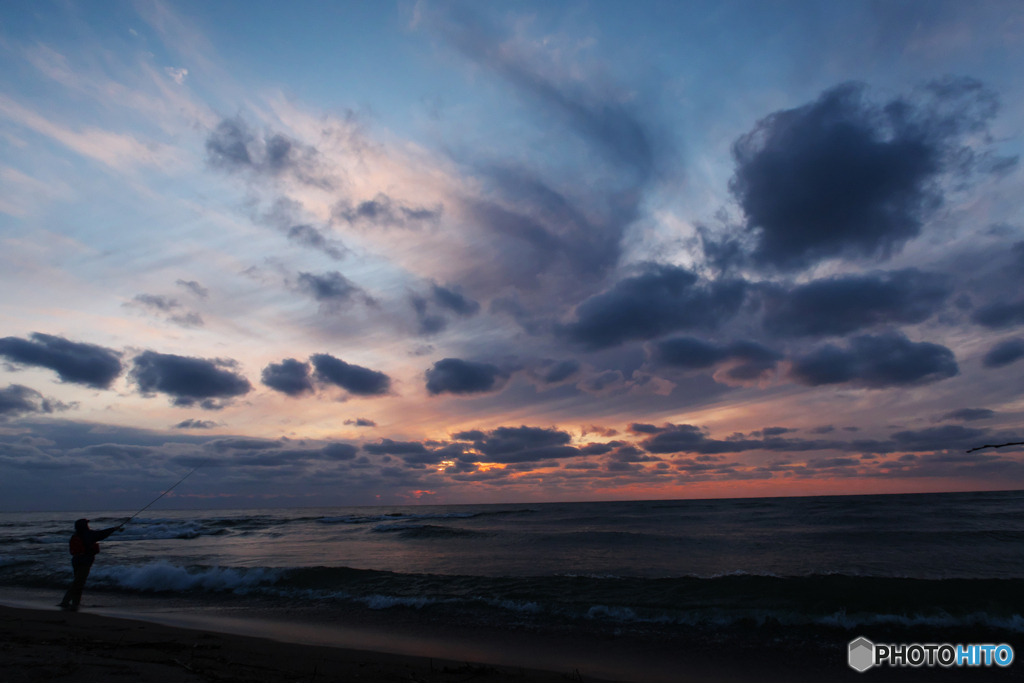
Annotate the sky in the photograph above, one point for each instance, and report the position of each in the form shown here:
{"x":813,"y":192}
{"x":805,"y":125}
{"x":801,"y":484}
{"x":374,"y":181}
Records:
{"x":440,"y":252}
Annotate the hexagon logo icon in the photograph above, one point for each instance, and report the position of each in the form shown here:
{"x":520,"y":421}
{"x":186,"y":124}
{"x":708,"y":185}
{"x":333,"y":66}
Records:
{"x":862,"y":654}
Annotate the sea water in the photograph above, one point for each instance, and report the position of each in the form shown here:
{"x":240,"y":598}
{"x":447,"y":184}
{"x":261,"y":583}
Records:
{"x":952,"y":559}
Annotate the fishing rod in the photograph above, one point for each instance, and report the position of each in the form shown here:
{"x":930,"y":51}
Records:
{"x":164,"y":493}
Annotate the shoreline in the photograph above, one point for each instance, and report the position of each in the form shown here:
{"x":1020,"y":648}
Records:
{"x":166,"y":643}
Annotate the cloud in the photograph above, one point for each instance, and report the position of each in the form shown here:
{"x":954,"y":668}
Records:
{"x":290,"y":377}
{"x":176,"y":75}
{"x":189,"y":381}
{"x":604,"y":118}
{"x":194,"y":287}
{"x":840,"y":305}
{"x":429,"y":324}
{"x":75,"y":362}
{"x":360,"y":422}
{"x":454,"y":301}
{"x":523,"y":444}
{"x":938,"y":438}
{"x":746,"y":361}
{"x":876,"y":362}
{"x":354,"y":379}
{"x":844,"y":177}
{"x":1000,"y":314}
{"x":600,"y":431}
{"x":445,"y":298}
{"x":389,"y":447}
{"x":1004,"y":353}
{"x":383,"y":211}
{"x":16,"y":399}
{"x":175,"y":312}
{"x":332,"y":289}
{"x":687,"y":438}
{"x":309,"y":236}
{"x":195,"y":424}
{"x":457,"y":376}
{"x":549,"y":372}
{"x":554,"y":234}
{"x":234,"y":147}
{"x":969,"y":414}
{"x":664,"y":299}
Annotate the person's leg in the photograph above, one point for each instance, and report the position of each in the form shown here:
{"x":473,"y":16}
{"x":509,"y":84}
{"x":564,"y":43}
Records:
{"x":74,"y":599}
{"x":69,"y":596}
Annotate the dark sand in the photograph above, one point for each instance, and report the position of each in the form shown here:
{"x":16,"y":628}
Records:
{"x":38,"y":645}
{"x":50,"y":645}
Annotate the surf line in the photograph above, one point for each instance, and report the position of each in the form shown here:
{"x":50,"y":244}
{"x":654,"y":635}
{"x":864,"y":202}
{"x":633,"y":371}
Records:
{"x":163,"y":494}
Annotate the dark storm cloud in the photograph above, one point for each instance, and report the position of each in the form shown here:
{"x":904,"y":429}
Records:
{"x":454,"y":301}
{"x":360,"y":422}
{"x":75,"y":362}
{"x":1000,"y":314}
{"x":354,"y":379}
{"x":290,"y":377}
{"x":339,"y":451}
{"x":840,"y":305}
{"x":234,"y":147}
{"x":16,"y":399}
{"x":1004,"y":353}
{"x":750,"y":361}
{"x":332,"y":288}
{"x":194,"y":287}
{"x":383,"y":211}
{"x":194,"y":424}
{"x":457,"y":376}
{"x":524,"y":444}
{"x":664,"y":299}
{"x":189,"y":381}
{"x":842,"y":176}
{"x":389,"y":447}
{"x":876,"y":362}
{"x":309,"y":236}
{"x":969,"y":414}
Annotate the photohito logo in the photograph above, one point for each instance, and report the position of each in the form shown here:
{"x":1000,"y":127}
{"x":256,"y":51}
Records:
{"x":863,"y":654}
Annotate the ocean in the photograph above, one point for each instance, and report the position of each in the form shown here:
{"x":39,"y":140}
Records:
{"x":628,"y":590}
{"x":940,"y":560}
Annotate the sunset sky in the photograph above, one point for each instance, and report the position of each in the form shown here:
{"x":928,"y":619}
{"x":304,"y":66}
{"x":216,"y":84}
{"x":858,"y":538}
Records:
{"x":434,"y":252}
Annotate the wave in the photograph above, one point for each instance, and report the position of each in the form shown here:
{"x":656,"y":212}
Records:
{"x":166,"y":577}
{"x":427,"y":531}
{"x":730,"y":600}
{"x":392,"y":516}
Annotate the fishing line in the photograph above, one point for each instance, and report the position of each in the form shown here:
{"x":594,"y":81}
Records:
{"x":164,"y":493}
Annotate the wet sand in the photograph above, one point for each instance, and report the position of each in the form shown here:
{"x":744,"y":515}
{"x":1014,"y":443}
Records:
{"x":39,"y":644}
{"x":56,"y":646}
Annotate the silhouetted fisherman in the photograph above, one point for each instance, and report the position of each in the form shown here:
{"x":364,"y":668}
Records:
{"x":84,"y":547}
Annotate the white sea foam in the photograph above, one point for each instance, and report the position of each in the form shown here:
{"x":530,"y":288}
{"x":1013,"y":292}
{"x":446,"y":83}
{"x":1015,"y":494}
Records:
{"x":164,"y":530}
{"x":164,"y":576}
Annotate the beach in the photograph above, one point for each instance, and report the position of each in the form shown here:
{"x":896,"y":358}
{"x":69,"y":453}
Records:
{"x":47,"y":644}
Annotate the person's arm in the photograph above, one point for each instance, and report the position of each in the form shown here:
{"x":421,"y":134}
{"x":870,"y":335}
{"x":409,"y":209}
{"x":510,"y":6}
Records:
{"x":103,"y":533}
